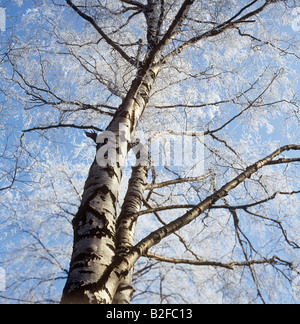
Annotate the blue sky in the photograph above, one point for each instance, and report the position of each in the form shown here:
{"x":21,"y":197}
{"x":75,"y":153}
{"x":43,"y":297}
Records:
{"x":14,"y":12}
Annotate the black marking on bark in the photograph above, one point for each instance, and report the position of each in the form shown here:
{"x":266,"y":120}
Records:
{"x":102,"y":192}
{"x":110,"y":171}
{"x":82,"y":260}
{"x":111,"y":247}
{"x":124,"y":287}
{"x":96,"y":232}
{"x":86,"y":271}
{"x":101,"y":284}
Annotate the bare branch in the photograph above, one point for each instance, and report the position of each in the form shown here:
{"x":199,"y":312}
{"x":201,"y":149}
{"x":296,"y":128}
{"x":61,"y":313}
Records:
{"x":101,"y":32}
{"x":62,"y":126}
{"x":219,"y":29}
{"x":229,"y":266}
{"x":263,"y":201}
{"x":176,"y":181}
{"x":176,"y":24}
{"x":156,"y":236}
{"x":294,"y":245}
{"x":190,"y":262}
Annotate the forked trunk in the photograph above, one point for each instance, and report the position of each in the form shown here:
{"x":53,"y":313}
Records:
{"x":94,"y":248}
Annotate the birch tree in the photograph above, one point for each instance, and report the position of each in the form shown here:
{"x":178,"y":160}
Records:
{"x":211,"y":214}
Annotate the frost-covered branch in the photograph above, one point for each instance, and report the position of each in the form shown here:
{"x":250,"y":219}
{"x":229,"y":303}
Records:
{"x":260,"y":202}
{"x":273,"y":261}
{"x":220,"y":28}
{"x":176,"y":181}
{"x":100,"y":31}
{"x":62,"y":126}
{"x":121,"y":265}
{"x":156,"y":236}
{"x":185,"y":77}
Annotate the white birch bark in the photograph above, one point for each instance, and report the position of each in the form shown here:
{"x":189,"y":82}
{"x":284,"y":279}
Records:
{"x":153,"y":17}
{"x":126,"y":228}
{"x":94,"y":225}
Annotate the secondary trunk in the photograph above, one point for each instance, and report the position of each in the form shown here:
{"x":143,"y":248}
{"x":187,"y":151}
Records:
{"x":126,"y":227}
{"x":94,"y":248}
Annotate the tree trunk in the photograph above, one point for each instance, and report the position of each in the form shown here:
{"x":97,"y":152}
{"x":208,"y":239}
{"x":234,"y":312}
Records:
{"x":94,"y":247}
{"x":126,"y":227}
